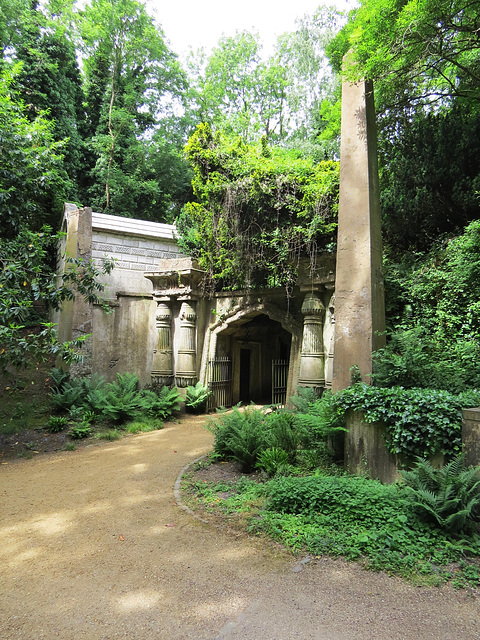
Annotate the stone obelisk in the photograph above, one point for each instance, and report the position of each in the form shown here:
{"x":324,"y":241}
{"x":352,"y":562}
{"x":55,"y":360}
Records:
{"x":359,"y":293}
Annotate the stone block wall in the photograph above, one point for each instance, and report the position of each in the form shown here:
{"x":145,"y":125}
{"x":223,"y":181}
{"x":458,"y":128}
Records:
{"x":135,"y":245}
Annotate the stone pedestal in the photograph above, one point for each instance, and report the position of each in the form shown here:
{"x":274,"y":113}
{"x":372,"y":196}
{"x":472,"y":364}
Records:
{"x":312,"y":357}
{"x":162,"y":363}
{"x":186,"y":367}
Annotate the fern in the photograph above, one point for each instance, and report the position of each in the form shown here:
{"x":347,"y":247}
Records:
{"x":449,"y":497}
{"x":196,"y":397}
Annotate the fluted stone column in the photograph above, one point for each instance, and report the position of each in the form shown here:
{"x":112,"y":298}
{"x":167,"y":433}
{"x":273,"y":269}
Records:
{"x":186,"y":368}
{"x":312,"y":357}
{"x":162,"y":364}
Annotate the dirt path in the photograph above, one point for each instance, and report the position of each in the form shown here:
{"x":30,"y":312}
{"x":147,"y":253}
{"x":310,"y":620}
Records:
{"x":93,"y":546}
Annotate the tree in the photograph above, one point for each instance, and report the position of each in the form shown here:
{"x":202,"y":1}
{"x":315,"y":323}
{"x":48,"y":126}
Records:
{"x":33,"y":183}
{"x":29,"y":287}
{"x":49,"y":82}
{"x":424,"y":51}
{"x":257,"y":211}
{"x":129,"y":72}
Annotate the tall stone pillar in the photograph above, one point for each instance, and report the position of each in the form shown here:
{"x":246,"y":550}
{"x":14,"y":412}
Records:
{"x":186,"y":365}
{"x":359,"y":295}
{"x":162,"y":363}
{"x":312,"y":356}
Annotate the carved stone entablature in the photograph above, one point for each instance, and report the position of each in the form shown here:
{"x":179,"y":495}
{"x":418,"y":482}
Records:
{"x":176,"y":277}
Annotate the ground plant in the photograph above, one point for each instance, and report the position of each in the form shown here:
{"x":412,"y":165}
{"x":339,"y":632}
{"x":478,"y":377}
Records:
{"x":346,"y":516}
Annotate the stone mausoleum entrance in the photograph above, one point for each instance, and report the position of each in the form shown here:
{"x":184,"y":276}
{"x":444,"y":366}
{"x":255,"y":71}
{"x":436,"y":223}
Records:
{"x":258,"y":350}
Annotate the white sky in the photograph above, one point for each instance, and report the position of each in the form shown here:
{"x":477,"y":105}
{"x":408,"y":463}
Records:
{"x":200,"y":23}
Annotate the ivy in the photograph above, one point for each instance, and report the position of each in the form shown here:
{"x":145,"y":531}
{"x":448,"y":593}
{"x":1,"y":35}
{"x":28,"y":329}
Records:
{"x":419,"y":422}
{"x":257,"y":210}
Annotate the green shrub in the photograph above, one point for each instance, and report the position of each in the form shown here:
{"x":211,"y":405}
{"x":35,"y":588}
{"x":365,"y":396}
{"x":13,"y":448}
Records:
{"x":273,"y":461}
{"x":70,"y":395}
{"x":364,"y":499}
{"x":59,"y":378}
{"x":196,"y":397}
{"x":80,"y":430}
{"x":144,"y":425}
{"x":285,"y":433}
{"x":163,"y":403}
{"x":110,"y":435}
{"x":239,"y":435}
{"x":122,"y":400}
{"x":56,"y":424}
{"x":449,"y":496}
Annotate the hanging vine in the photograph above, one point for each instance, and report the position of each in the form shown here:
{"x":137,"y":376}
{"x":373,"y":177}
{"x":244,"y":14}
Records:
{"x":258,"y":210}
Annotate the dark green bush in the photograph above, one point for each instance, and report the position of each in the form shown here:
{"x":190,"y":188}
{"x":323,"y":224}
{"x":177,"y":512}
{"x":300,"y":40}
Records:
{"x":162,"y":403}
{"x":364,"y":499}
{"x":56,"y":424}
{"x":273,"y":461}
{"x":239,"y":435}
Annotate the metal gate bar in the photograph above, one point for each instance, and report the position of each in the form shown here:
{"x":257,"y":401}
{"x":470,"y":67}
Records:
{"x":279,"y":382}
{"x":220,"y":382}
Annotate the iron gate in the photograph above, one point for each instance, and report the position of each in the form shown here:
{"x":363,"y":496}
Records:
{"x":279,"y":382}
{"x":220,"y":382}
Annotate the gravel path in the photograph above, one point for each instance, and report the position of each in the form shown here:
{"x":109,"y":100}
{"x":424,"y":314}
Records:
{"x":93,"y":546}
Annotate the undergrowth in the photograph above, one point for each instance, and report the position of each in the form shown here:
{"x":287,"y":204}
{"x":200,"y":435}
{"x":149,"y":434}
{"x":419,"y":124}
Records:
{"x":355,"y":518}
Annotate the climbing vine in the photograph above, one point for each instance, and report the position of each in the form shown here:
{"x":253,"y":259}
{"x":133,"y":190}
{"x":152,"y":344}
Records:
{"x":258,"y":210}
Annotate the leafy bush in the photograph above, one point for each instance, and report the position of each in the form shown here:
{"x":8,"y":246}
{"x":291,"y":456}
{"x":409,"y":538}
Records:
{"x":58,"y":378}
{"x":80,"y":430}
{"x":161,"y":403}
{"x":364,"y":499}
{"x":273,"y":461}
{"x":449,"y":496}
{"x":56,"y":424}
{"x":196,"y":398}
{"x":69,"y":395}
{"x":122,"y":400}
{"x":419,"y":422}
{"x":239,"y":435}
{"x":285,"y":433}
{"x":322,"y":419}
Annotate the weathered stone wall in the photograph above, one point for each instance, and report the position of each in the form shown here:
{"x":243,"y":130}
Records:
{"x":135,"y":245}
{"x":471,"y":436}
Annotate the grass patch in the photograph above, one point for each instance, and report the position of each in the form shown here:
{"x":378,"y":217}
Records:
{"x":110,"y":435}
{"x":143,"y":425}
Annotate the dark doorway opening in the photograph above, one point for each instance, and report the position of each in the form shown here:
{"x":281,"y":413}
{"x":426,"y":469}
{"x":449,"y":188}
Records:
{"x":244,"y":375}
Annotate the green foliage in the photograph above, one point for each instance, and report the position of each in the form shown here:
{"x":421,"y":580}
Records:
{"x":163,"y":402}
{"x":273,"y":461}
{"x":239,"y":435}
{"x":196,"y":398}
{"x":63,"y":400}
{"x":432,"y":306}
{"x":419,"y":422}
{"x":32,"y":180}
{"x":320,"y":418}
{"x":285,"y":433}
{"x":80,"y":430}
{"x":110,"y":435}
{"x":448,"y":496}
{"x":122,"y":400}
{"x":59,"y":378}
{"x":256,"y":213}
{"x":28,"y":282}
{"x":56,"y":424}
{"x":144,"y":425}
{"x":424,"y":52}
{"x":355,"y":518}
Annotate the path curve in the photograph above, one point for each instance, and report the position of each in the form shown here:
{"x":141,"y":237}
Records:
{"x":94,"y":547}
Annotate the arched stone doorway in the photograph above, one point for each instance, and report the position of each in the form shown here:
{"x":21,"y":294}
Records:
{"x":251,"y":362}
